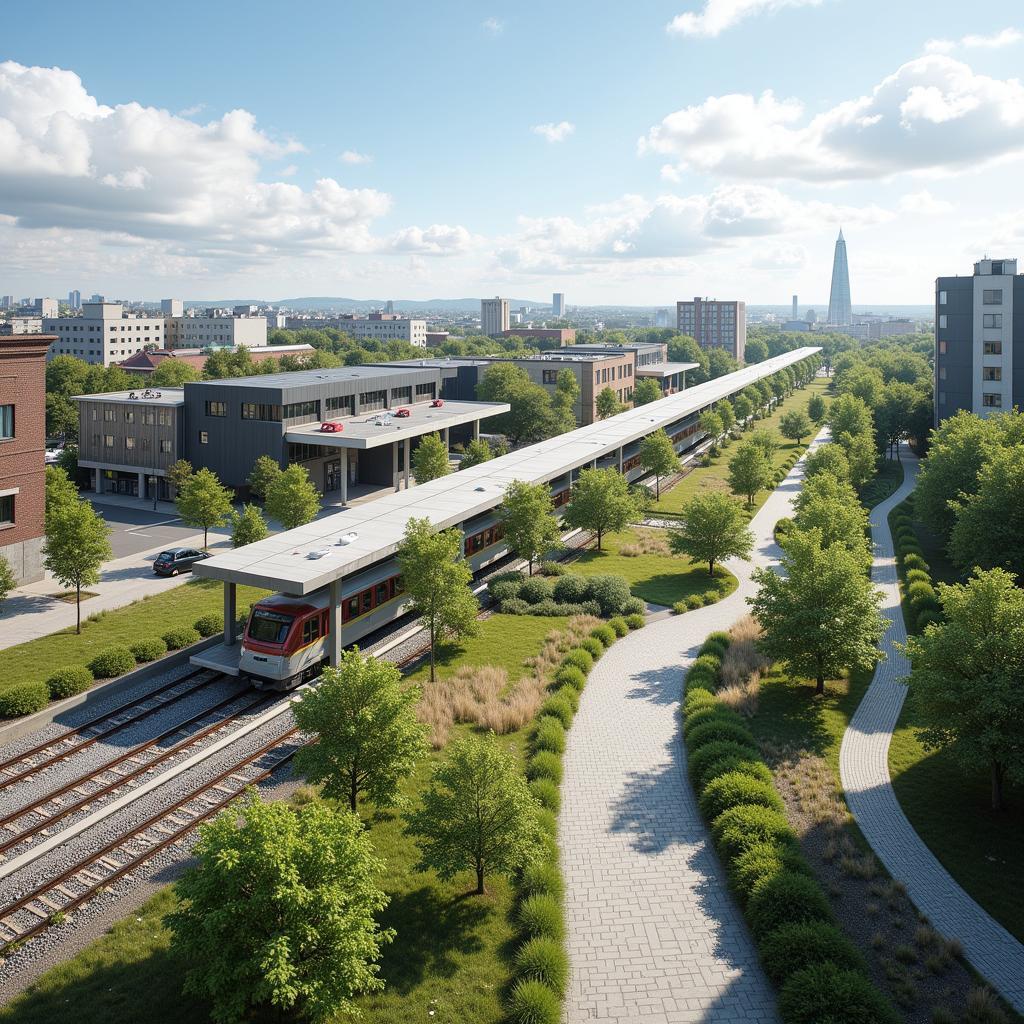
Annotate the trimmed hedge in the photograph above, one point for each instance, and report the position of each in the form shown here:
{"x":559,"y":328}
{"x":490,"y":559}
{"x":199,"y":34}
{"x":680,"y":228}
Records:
{"x":785,"y":898}
{"x":718,"y":757}
{"x":207,"y":625}
{"x":738,"y":828}
{"x":69,"y":682}
{"x":114,"y":660}
{"x":545,"y":764}
{"x":711,"y":732}
{"x":792,"y":947}
{"x":824,"y":992}
{"x":148,"y":650}
{"x":23,"y":699}
{"x":536,"y":589}
{"x":558,"y":708}
{"x":734,"y":788}
{"x":184,"y":636}
{"x":762,"y":861}
{"x":571,"y":675}
{"x":605,"y":635}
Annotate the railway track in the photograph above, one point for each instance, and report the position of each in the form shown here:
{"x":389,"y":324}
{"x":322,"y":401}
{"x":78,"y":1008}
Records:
{"x":50,"y":901}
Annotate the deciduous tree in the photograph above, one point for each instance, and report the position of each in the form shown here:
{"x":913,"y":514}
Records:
{"x":172,"y":373}
{"x":827,"y":458}
{"x":831,"y":506}
{"x":203,"y":502}
{"x":528,"y":514}
{"x":658,"y":456}
{"x":179,"y":473}
{"x":607,"y":404}
{"x":477,"y":451}
{"x":247,"y":526}
{"x":564,"y":401}
{"x":430,"y":459}
{"x":646,"y":391}
{"x":265,"y":471}
{"x":744,"y":409}
{"x":711,"y":425}
{"x":725,"y":410}
{"x":795,"y":425}
{"x":601,"y":500}
{"x":712,"y":528}
{"x":749,"y":471}
{"x":7,"y":579}
{"x":292,"y":499}
{"x":816,"y":408}
{"x":76,"y":547}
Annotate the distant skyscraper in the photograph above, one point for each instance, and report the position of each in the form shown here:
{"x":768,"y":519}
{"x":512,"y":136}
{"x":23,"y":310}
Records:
{"x":493,"y":316}
{"x":75,"y":299}
{"x":389,"y":306}
{"x":172,"y":307}
{"x":796,"y":308}
{"x":840,"y":310}
{"x":558,"y":304}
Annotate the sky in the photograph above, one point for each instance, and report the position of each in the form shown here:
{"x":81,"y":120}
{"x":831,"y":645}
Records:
{"x":623,"y":154}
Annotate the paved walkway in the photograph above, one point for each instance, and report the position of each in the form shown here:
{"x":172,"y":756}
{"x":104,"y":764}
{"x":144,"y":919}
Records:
{"x":864,"y":770}
{"x":654,"y":934}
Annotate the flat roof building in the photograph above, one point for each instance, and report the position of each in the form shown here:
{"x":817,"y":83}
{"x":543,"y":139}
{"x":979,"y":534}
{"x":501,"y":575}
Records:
{"x":494,"y":318}
{"x":715,"y":324}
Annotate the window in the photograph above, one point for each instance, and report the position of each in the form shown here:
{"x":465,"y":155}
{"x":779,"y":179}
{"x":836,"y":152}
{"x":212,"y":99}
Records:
{"x":992,"y":296}
{"x":942,"y":373}
{"x":311,"y":630}
{"x":370,"y":400}
{"x":149,"y":417}
{"x":94,"y":414}
{"x":261,"y":411}
{"x":341,"y":403}
{"x":216,"y":408}
{"x":204,"y":437}
{"x":550,"y":376}
{"x":6,"y":422}
{"x":303,"y":452}
{"x":942,"y":348}
{"x":165,"y":447}
{"x":993,"y":348}
{"x":991,"y":401}
{"x":129,"y":443}
{"x":302,"y":410}
{"x":425,"y":390}
{"x":942,"y":319}
{"x":109,"y":415}
{"x":95,"y":440}
{"x":108,"y":440}
{"x":990,"y":320}
{"x":943,"y":296}
{"x":164,"y":417}
{"x":7,"y":510}
{"x":991,"y":373}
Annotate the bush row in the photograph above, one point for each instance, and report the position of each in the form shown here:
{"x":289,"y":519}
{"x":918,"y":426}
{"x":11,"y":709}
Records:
{"x":920,"y":600}
{"x":564,"y":594}
{"x":820,"y":974}
{"x":541,"y":962}
{"x":692,"y":601}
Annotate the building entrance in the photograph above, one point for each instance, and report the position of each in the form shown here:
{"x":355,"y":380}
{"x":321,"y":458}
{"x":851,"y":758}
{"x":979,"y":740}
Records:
{"x":332,"y":475}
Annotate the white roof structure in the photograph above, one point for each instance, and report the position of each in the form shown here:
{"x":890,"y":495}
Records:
{"x":309,"y":557}
{"x":664,"y":369}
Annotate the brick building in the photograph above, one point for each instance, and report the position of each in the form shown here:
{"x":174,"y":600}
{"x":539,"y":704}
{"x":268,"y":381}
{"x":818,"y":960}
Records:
{"x":22,"y":451}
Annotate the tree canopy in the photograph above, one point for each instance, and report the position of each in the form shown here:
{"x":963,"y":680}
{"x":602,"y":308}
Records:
{"x":478,"y":450}
{"x":602,"y":500}
{"x":646,"y":391}
{"x":749,"y":471}
{"x":528,"y":515}
{"x":712,"y":527}
{"x":203,"y":502}
{"x":607,"y":404}
{"x":658,"y":456}
{"x":77,"y":544}
{"x":247,"y":526}
{"x":265,"y":470}
{"x":430,"y":459}
{"x":795,"y":424}
{"x":291,"y":497}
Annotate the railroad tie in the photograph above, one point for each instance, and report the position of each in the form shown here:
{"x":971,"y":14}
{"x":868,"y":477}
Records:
{"x":37,"y":913}
{"x":11,"y":926}
{"x":110,"y":863}
{"x":89,"y":876}
{"x":48,"y":903}
{"x":223,"y":789}
{"x":64,"y":891}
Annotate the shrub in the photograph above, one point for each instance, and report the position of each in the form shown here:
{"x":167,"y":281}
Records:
{"x":543,"y":960}
{"x":579,"y":658}
{"x":183,"y":636}
{"x":715,"y":648}
{"x":514,"y":606}
{"x":605,"y":634}
{"x":783,"y":899}
{"x":719,"y":636}
{"x":701,"y":681}
{"x":610,"y":592}
{"x":532,"y":1002}
{"x":698,"y":698}
{"x":824,"y":992}
{"x":503,"y":590}
{"x":509,"y":574}
{"x":592,"y":646}
{"x":738,"y":828}
{"x":590,"y":608}
{"x":909,"y":549}
{"x":558,"y":708}
{"x":712,"y":596}
{"x":783,"y":527}
{"x":553,"y":569}
{"x":112,"y":661}
{"x":915,"y":562}
{"x":635,"y":620}
{"x":680,"y":608}
{"x":542,"y":915}
{"x":548,"y":823}
{"x":694,"y":601}
{"x":918,"y":576}
{"x":67,"y":682}
{"x":570,"y":695}
{"x":23,"y":699}
{"x":550,"y":735}
{"x":918,"y":593}
{"x":633,"y":606}
{"x":537,"y":588}
{"x":793,"y":947}
{"x":710,"y":732}
{"x":735,"y":788}
{"x":542,"y":877}
{"x":717,"y":712}
{"x":619,"y":625}
{"x":544,"y":765}
{"x":207,"y":625}
{"x":546,"y":794}
{"x":148,"y":650}
{"x":761,"y":861}
{"x":709,"y":661}
{"x":926,"y":616}
{"x":571,"y":589}
{"x":716,"y":759}
{"x":571,"y":675}
{"x":700,"y":713}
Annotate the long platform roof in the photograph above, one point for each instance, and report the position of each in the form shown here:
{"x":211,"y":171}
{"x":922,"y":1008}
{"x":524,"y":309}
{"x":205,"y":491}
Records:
{"x":355,"y":538}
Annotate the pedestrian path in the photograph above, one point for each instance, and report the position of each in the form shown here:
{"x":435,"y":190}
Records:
{"x":654,"y":934}
{"x":864,"y":771}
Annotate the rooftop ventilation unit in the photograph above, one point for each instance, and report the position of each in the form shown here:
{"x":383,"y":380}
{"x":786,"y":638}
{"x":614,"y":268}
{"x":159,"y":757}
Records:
{"x":318,"y":553}
{"x":346,"y":539}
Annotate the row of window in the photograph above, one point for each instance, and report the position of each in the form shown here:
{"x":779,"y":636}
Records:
{"x":146,"y":415}
{"x":607,"y":374}
{"x":484,"y":539}
{"x":129,"y":443}
{"x":373,"y":597}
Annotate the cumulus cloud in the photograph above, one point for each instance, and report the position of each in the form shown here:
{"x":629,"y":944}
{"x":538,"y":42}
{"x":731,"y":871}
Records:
{"x":350,"y":156}
{"x":996,"y":41}
{"x":904,"y":124}
{"x":145,"y":173}
{"x":924,"y":203}
{"x":554,"y":132}
{"x":719,"y":15}
{"x":493,"y":26}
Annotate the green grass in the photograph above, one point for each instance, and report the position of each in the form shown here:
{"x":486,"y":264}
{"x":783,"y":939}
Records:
{"x":150,"y":617}
{"x":655,"y":577}
{"x":450,"y":955}
{"x":715,"y":476}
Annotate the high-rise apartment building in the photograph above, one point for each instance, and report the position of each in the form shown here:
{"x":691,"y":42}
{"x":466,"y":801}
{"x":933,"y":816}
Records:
{"x":979,"y":334}
{"x":75,"y":300}
{"x":796,"y":308}
{"x":494,"y":318}
{"x":840,"y":310}
{"x":45,"y":307}
{"x":715,"y":324}
{"x":172,"y":307}
{"x":558,"y":304}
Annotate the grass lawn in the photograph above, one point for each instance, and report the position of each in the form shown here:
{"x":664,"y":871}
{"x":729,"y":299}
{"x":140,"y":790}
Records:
{"x":447,"y":963}
{"x":715,"y":476}
{"x":655,"y":576}
{"x":151,"y":617}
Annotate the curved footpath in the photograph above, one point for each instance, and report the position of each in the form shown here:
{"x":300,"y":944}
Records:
{"x":864,"y":770}
{"x":654,"y":934}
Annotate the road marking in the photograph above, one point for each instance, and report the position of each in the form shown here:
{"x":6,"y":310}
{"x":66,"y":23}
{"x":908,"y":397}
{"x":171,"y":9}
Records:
{"x":149,"y":526}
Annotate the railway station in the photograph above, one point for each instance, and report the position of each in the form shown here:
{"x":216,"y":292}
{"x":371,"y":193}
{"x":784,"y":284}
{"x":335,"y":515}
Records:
{"x":344,"y":563}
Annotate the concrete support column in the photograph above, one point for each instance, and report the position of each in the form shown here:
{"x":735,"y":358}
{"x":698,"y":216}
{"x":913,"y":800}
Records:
{"x":230,"y":611}
{"x":344,"y":476}
{"x":408,"y":460}
{"x":444,"y":437}
{"x":476,"y":430}
{"x":621,"y":460}
{"x":334,"y":624}
{"x":142,"y":485}
{"x":394,"y":465}
{"x":98,"y":481}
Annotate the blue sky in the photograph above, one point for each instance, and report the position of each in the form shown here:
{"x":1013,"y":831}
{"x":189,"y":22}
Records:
{"x":620,"y":153}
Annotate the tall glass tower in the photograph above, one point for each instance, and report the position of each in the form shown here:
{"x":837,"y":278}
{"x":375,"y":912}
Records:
{"x":840,"y":310}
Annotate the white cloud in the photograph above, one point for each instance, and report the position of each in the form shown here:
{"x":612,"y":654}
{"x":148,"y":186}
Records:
{"x":904,"y":124}
{"x":1007,"y":37}
{"x":191,"y":111}
{"x":719,"y":15}
{"x":554,"y":132}
{"x":494,"y":26}
{"x":290,"y":171}
{"x":924,"y":203}
{"x":350,"y":156}
{"x":939,"y":46}
{"x":138,"y":172}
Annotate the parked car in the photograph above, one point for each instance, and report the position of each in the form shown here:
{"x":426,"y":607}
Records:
{"x":330,"y":427}
{"x":437,"y":403}
{"x":402,"y":413}
{"x":177,"y":560}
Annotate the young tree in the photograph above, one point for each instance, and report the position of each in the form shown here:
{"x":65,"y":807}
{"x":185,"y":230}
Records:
{"x":862,"y":456}
{"x":713,"y":527}
{"x":292,"y":499}
{"x":179,"y":474}
{"x":711,"y":425}
{"x":795,"y":425}
{"x":430,"y":459}
{"x":601,"y":500}
{"x":204,"y":502}
{"x":265,"y":471}
{"x":830,"y":506}
{"x":749,"y":471}
{"x":7,"y":580}
{"x":60,"y":491}
{"x":531,"y":528}
{"x":281,"y":912}
{"x":477,"y":814}
{"x":563,"y":404}
{"x":477,"y":451}
{"x":725,"y":410}
{"x":827,"y":458}
{"x":658,"y":456}
{"x":646,"y":391}
{"x":607,"y":404}
{"x":76,"y":547}
{"x":965,"y":683}
{"x":172,"y":373}
{"x":368,"y":736}
{"x":247,"y":526}
{"x":743,"y":408}
{"x":437,"y":580}
{"x":821,"y":615}
{"x":68,"y":460}
{"x":766,"y":441}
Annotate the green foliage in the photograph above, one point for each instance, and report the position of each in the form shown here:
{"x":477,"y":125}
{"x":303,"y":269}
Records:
{"x":571,"y":589}
{"x":558,"y":708}
{"x":172,"y":373}
{"x":711,"y":424}
{"x":827,"y":458}
{"x":23,"y":699}
{"x":368,"y":736}
{"x":179,"y":473}
{"x":542,"y":878}
{"x":735,"y":788}
{"x":203,"y":502}
{"x":183,"y":636}
{"x":76,"y":547}
{"x":632,"y":607}
{"x":114,"y":660}
{"x":579,"y":659}
{"x":636,"y":620}
{"x":551,"y":568}
{"x":549,"y":735}
{"x":148,"y":650}
{"x":544,"y":960}
{"x":738,"y":828}
{"x":749,"y":471}
{"x":571,"y":675}
{"x":761,"y":861}
{"x":247,"y":526}
{"x":716,"y":730}
{"x":291,"y":498}
{"x":658,"y":456}
{"x":601,"y":501}
{"x":531,"y":528}
{"x":785,"y":898}
{"x":791,"y":947}
{"x":713,"y":527}
{"x":68,"y":682}
{"x":477,"y":452}
{"x":825,"y":992}
{"x":849,"y":414}
{"x":541,"y":916}
{"x":795,"y":425}
{"x":611,"y":592}
{"x":592,"y":646}
{"x":430,"y":459}
{"x":607,"y":404}
{"x":207,"y":625}
{"x":545,"y":764}
{"x":605,"y":634}
{"x":618,"y":625}
{"x":532,"y":416}
{"x":281,"y":911}
{"x":816,"y":408}
{"x":7,"y":579}
{"x":545,"y":792}
{"x":830,"y":506}
{"x":536,"y":588}
{"x":646,"y":391}
{"x":534,"y":1002}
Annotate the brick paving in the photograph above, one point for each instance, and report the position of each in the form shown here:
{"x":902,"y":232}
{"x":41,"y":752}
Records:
{"x":864,"y":770}
{"x":654,"y":934}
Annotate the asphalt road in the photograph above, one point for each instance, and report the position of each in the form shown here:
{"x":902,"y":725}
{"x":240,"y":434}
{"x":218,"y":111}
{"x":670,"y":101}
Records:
{"x":136,"y":530}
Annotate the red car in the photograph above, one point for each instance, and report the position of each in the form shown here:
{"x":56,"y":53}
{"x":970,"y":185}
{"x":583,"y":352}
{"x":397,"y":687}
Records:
{"x":437,"y":403}
{"x":402,"y":413}
{"x":331,"y":427}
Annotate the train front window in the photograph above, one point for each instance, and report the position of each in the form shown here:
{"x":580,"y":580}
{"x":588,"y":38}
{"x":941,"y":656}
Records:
{"x":269,"y":627}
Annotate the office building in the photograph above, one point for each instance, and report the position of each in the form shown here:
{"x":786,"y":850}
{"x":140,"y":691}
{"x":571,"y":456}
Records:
{"x":45,"y":307}
{"x":493,"y":316}
{"x":142,"y":364}
{"x":650,"y":359}
{"x":384,"y":327}
{"x":558,"y":304}
{"x":6,"y":302}
{"x":22,"y":452}
{"x":840,"y":310}
{"x":796,"y":309}
{"x":563,"y":335}
{"x":715,"y":324}
{"x":212,"y":329}
{"x":75,"y":300}
{"x":21,"y":325}
{"x":172,"y":307}
{"x":979,"y":340}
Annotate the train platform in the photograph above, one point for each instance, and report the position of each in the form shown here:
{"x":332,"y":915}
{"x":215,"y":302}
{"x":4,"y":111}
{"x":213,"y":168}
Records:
{"x":220,"y":658}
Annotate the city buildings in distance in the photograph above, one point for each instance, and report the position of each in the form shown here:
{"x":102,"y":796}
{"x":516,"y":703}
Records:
{"x":715,"y":324}
{"x":558,"y":304}
{"x":494,"y":319}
